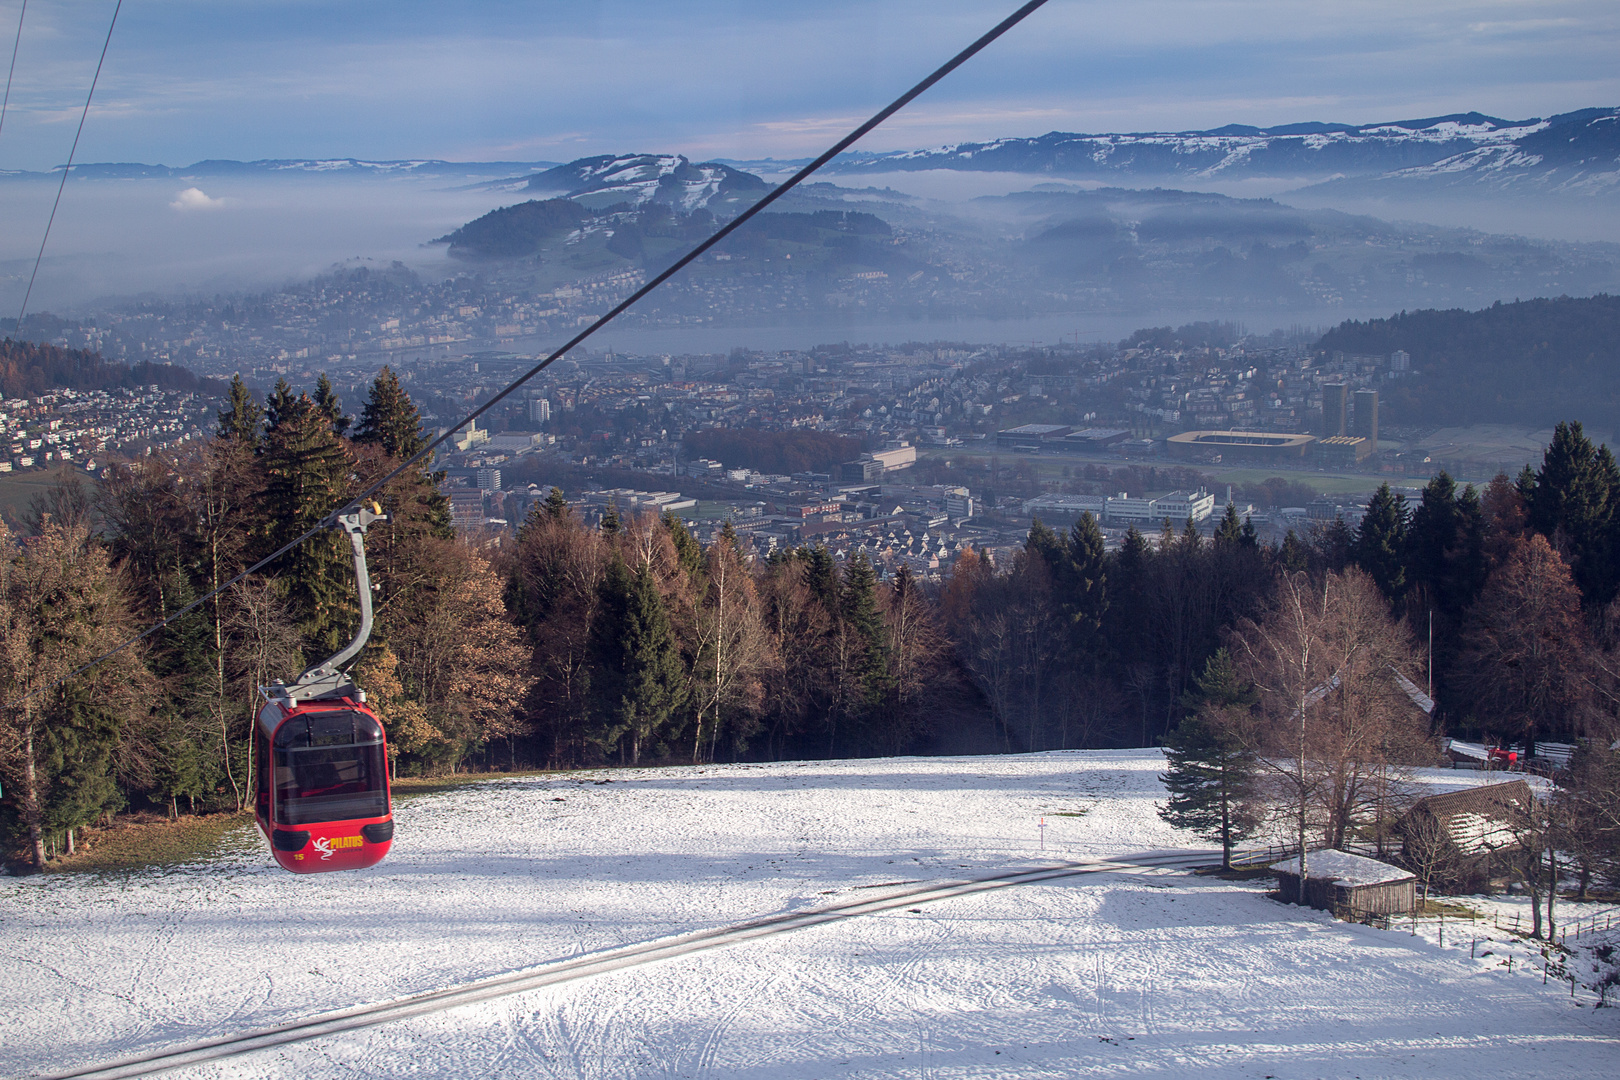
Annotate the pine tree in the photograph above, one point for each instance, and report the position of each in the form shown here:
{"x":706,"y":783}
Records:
{"x":1294,"y":555}
{"x":1085,"y":599}
{"x":642,"y":689}
{"x":821,"y":575}
{"x":688,"y":552}
{"x":1380,"y":543}
{"x":242,"y":419}
{"x":390,"y":419}
{"x":326,"y":400}
{"x":1231,"y":530}
{"x":611,"y":522}
{"x":1575,"y":494}
{"x":557,"y":506}
{"x":865,"y":619}
{"x":1249,"y":537}
{"x":281,"y":404}
{"x":307,"y":469}
{"x":1212,"y":777}
{"x":390,"y":423}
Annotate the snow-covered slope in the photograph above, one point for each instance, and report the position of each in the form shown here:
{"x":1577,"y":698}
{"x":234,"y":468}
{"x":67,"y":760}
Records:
{"x":1576,"y":154}
{"x":1572,"y":151}
{"x":641,"y":178}
{"x":1157,"y":974}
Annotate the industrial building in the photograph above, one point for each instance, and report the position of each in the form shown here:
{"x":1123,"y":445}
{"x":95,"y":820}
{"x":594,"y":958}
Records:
{"x":1178,"y":507}
{"x":869,"y":467}
{"x":1031,"y":438}
{"x":1260,"y":446}
{"x":1343,"y":450}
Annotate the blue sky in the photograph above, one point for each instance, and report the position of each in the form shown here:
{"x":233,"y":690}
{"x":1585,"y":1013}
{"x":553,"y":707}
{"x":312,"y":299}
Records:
{"x":482,"y":79}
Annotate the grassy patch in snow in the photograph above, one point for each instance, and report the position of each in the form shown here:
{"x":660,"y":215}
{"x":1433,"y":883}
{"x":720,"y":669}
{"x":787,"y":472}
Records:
{"x":138,"y":845}
{"x":413,"y":787}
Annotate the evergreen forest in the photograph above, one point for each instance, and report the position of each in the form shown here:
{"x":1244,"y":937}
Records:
{"x":629,"y":642}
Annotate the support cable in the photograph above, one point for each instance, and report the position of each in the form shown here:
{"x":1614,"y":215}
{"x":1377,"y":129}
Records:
{"x":720,"y":234}
{"x":68,"y":168}
{"x":6,"y":101}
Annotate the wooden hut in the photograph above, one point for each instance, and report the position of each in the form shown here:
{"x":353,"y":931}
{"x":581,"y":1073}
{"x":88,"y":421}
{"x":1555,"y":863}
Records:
{"x":1353,"y":887}
{"x":1478,"y":826}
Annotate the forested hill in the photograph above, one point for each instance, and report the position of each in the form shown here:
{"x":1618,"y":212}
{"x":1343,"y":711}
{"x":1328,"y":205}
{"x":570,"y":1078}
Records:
{"x":27,"y":370}
{"x":1532,"y":361}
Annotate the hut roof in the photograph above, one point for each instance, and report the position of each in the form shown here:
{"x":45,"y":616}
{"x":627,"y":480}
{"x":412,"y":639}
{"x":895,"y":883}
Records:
{"x":1345,"y":868}
{"x":1495,"y":801}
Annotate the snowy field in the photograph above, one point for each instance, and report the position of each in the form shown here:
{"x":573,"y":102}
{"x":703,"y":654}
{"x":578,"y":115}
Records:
{"x":1152,"y":973}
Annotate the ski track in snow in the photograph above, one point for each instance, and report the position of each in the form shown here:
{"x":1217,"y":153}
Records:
{"x":1156,"y":973}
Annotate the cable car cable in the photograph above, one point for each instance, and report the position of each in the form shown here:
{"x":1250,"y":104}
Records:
{"x":5,"y":103}
{"x":720,"y":234}
{"x":68,"y":168}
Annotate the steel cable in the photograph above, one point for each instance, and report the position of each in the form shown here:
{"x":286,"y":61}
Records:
{"x":68,"y":168}
{"x":720,"y":234}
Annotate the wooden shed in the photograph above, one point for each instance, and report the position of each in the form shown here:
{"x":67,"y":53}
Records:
{"x":1478,"y":825}
{"x":1351,"y":886}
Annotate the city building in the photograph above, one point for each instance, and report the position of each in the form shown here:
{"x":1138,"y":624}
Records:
{"x":1030,"y":438}
{"x":1261,"y":446}
{"x":1343,"y":450}
{"x":1178,"y":507}
{"x":1335,"y":407}
{"x":539,"y":410}
{"x":1366,"y":422}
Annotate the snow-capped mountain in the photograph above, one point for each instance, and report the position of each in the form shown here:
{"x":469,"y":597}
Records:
{"x":1573,"y":150}
{"x":1574,"y":154}
{"x":420,"y":167}
{"x":669,"y":179}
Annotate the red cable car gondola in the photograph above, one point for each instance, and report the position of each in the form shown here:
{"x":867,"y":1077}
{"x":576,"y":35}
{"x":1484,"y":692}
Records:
{"x":322,"y":796}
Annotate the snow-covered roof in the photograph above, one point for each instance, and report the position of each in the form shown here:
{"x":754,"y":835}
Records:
{"x":1344,"y":868}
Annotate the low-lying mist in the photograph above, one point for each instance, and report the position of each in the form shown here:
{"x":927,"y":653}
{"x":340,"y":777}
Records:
{"x":120,"y":238}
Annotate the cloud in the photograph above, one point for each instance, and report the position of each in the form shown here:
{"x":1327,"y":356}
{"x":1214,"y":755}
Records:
{"x":195,"y":199}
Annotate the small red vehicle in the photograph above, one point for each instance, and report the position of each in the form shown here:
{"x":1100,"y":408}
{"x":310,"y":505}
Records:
{"x":323,"y":798}
{"x":321,"y":757}
{"x":1501,"y":757}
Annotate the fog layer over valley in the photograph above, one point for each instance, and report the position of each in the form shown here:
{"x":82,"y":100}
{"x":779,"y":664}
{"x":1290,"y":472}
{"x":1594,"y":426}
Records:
{"x":868,"y":256}
{"x":171,"y":236}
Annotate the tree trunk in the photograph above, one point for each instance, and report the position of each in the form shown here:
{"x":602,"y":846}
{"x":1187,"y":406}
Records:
{"x":1303,"y":808}
{"x":33,"y":813}
{"x":1552,"y":892}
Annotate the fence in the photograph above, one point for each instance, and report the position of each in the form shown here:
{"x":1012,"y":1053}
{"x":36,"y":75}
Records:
{"x":1601,"y":922}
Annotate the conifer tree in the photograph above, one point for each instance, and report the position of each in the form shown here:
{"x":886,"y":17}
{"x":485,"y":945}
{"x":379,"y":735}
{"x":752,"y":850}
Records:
{"x":821,"y":575}
{"x":556,"y":507}
{"x":242,"y":419}
{"x":390,"y":423}
{"x":611,"y":522}
{"x":1575,"y":494}
{"x":281,"y":404}
{"x":1445,"y":545}
{"x":1212,"y":776}
{"x":1231,"y":530}
{"x":326,"y":400}
{"x":307,"y":469}
{"x":390,"y":419}
{"x":642,"y":689}
{"x":1294,"y":555}
{"x":1380,"y":543}
{"x":865,"y":619}
{"x":1085,"y":602}
{"x":688,"y":552}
